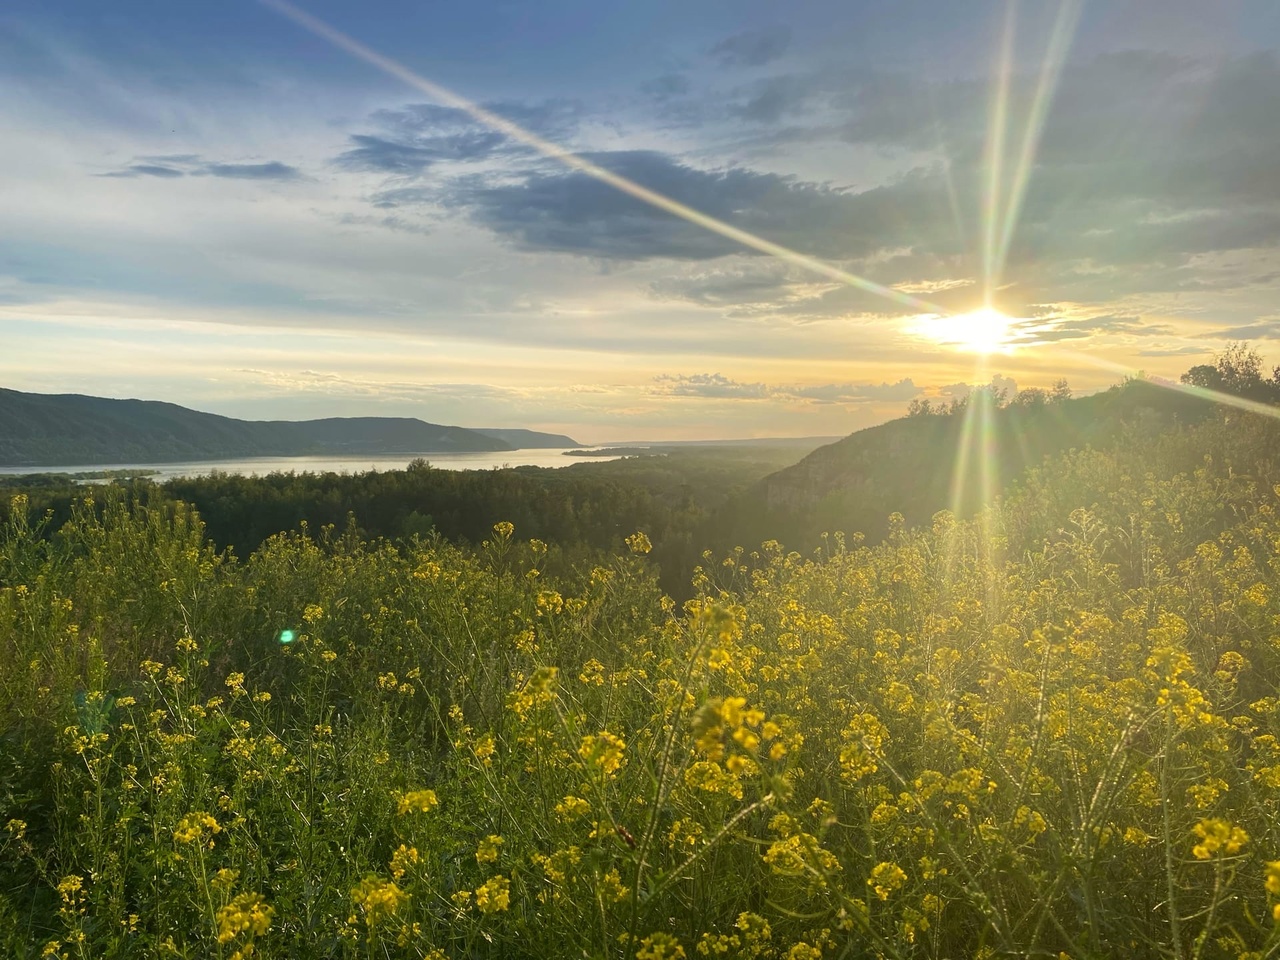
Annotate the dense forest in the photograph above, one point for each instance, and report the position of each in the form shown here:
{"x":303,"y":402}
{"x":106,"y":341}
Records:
{"x":675,"y":494}
{"x":1048,"y":727}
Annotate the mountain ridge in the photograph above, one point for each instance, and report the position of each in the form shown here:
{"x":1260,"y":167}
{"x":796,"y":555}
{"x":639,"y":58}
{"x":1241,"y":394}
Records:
{"x":522,"y":439}
{"x":39,"y":429}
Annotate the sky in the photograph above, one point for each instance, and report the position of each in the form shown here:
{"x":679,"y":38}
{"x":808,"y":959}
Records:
{"x":211,"y":203}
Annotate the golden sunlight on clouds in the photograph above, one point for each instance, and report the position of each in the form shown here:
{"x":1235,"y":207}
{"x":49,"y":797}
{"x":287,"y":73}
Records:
{"x":982,"y":331}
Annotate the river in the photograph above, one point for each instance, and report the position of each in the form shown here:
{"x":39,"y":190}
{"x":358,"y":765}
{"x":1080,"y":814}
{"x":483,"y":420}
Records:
{"x":262,"y":465}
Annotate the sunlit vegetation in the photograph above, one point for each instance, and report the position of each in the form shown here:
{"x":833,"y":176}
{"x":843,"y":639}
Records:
{"x":673,"y":494}
{"x":1048,"y":730}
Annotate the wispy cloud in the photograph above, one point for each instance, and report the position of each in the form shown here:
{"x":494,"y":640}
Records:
{"x":1084,"y":327}
{"x":715,"y":386}
{"x":753,"y":48}
{"x":419,"y":136}
{"x":168,"y":168}
{"x":1266,"y":328}
{"x":145,"y":170}
{"x":272,"y":170}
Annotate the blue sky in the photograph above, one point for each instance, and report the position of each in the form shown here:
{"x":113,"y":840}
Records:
{"x":206,"y":203}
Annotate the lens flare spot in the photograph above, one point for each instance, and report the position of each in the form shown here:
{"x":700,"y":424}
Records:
{"x":287,"y":636}
{"x":983,"y":331}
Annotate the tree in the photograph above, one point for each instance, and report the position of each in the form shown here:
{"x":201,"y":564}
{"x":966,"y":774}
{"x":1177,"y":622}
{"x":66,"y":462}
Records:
{"x":1032,"y":398}
{"x":1237,"y":371}
{"x":1203,"y":375}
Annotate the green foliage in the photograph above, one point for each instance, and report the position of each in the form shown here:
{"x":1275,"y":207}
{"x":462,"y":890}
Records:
{"x":926,"y":462}
{"x":1237,"y":371}
{"x":1049,"y":730}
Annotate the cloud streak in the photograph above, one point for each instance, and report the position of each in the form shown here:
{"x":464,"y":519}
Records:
{"x":171,"y":168}
{"x":715,"y":386}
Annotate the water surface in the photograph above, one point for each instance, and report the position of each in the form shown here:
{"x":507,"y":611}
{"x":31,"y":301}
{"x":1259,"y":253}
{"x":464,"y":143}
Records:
{"x":251,"y":466}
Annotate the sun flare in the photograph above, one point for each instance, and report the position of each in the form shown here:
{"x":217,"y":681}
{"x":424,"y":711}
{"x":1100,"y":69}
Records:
{"x":985,"y":330}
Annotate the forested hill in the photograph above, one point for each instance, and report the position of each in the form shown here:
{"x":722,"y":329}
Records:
{"x":942,"y":459}
{"x":41,"y":429}
{"x":529,"y":439}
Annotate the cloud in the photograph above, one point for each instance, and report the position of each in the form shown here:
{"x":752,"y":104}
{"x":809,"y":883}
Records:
{"x":418,"y":136}
{"x":772,"y":99}
{"x":753,"y":48}
{"x":667,"y":86}
{"x":715,"y":386}
{"x":1171,"y":351}
{"x":1149,"y":166}
{"x":1265,"y":328}
{"x":904,"y":389}
{"x":1145,"y":160}
{"x":181,"y":165}
{"x":144,"y":170}
{"x":998,"y":382}
{"x":274,"y":170}
{"x":1080,"y":328}
{"x":389,"y":222}
{"x":1150,"y":170}
{"x":336,"y":384}
{"x":711,"y":385}
{"x":571,"y":212}
{"x":743,"y":283}
{"x":380,"y":155}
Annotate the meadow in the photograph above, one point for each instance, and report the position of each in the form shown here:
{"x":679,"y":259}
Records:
{"x":1051,"y":729}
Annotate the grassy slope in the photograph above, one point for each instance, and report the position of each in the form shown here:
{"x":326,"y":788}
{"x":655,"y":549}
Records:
{"x":917,"y":466}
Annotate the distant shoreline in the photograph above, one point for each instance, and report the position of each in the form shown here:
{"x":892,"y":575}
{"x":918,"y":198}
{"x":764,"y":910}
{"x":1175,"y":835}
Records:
{"x":616,"y":453}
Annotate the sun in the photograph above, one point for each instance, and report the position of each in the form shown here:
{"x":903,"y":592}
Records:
{"x":985,"y":330}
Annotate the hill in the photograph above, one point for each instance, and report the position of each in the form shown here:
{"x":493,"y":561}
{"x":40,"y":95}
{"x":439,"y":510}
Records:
{"x":529,"y":439}
{"x":47,"y":430}
{"x":958,"y":460}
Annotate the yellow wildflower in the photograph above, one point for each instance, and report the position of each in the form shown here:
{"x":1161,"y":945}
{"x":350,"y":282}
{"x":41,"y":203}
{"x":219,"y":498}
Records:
{"x":571,"y":807}
{"x":612,"y":889}
{"x":886,"y":878}
{"x":69,"y":888}
{"x":194,"y":826}
{"x":225,"y":879}
{"x":247,"y":913}
{"x":416,"y":801}
{"x":494,"y":895}
{"x":603,"y":750}
{"x":487,"y":852}
{"x":485,"y":749}
{"x":660,"y":946}
{"x":378,"y":899}
{"x":1218,"y":836}
{"x":402,"y":860}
